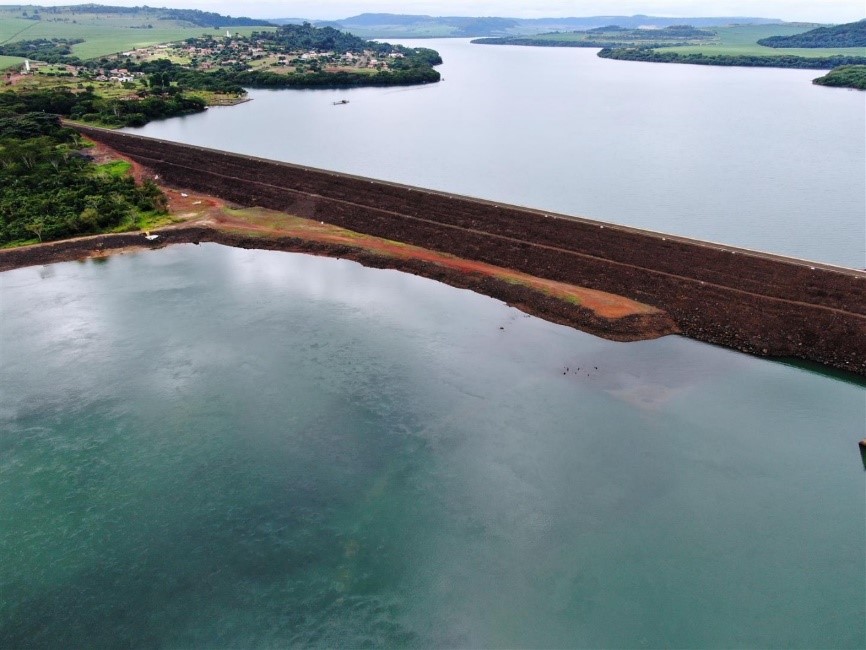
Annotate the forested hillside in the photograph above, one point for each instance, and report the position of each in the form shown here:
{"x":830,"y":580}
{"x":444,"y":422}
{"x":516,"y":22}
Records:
{"x":50,"y":190}
{"x":847,"y":35}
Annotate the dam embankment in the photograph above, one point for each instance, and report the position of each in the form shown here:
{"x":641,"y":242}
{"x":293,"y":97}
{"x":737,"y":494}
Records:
{"x":754,"y":302}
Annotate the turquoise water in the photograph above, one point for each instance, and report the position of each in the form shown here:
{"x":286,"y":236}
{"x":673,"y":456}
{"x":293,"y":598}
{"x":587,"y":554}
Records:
{"x":210,"y":447}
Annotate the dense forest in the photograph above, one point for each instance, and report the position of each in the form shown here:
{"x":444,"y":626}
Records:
{"x":86,"y":105}
{"x":209,"y":18}
{"x":50,"y":190}
{"x":848,"y":76}
{"x":847,"y":35}
{"x":415,"y":65}
{"x":55,"y":50}
{"x":320,"y":39}
{"x":753,"y":61}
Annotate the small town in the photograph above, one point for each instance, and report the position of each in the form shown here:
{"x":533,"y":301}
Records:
{"x":232,"y":51}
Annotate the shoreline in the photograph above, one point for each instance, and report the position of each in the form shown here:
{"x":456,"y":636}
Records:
{"x":613,"y":281}
{"x":751,"y":301}
{"x":201,"y":217}
{"x":640,"y":322}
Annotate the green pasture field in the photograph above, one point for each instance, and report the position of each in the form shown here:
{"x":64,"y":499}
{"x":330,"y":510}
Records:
{"x":111,"y":89}
{"x":105,"y":34}
{"x":743,"y":40}
{"x":105,"y":89}
{"x":385,"y":32}
{"x":9,"y":61}
{"x":113,"y":40}
{"x":116,"y":168}
{"x":578,"y":37}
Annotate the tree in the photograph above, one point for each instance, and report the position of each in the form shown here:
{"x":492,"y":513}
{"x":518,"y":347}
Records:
{"x":36,"y":226}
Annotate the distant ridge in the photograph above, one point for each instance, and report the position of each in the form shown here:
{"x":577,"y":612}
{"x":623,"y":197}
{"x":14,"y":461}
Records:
{"x":192,"y":17}
{"x":847,"y":35}
{"x":382,"y":25}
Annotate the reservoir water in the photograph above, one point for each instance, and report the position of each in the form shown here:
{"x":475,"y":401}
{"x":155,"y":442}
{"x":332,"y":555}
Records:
{"x":759,"y":158}
{"x":211,"y":447}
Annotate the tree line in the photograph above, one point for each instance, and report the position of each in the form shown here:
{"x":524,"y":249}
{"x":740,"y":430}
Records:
{"x":745,"y":60}
{"x":847,"y":35}
{"x":87,"y":106}
{"x":49,"y":50}
{"x":50,"y":190}
{"x":848,"y":76}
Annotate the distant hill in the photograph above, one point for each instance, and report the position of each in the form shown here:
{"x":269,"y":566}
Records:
{"x":847,"y":35}
{"x":179,"y":17}
{"x":99,"y":30}
{"x":609,"y":36}
{"x":210,"y":19}
{"x":379,"y":25}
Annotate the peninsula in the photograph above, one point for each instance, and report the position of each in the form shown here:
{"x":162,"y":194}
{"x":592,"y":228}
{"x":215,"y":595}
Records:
{"x":127,"y":81}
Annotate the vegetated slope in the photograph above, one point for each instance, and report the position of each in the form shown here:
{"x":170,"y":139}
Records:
{"x":9,"y":61}
{"x":848,"y":76}
{"x":609,"y":36}
{"x":135,"y":87}
{"x":101,"y":30}
{"x":57,"y":50}
{"x":293,"y":56}
{"x":49,"y":190}
{"x":650,"y":55}
{"x":737,"y":45}
{"x":211,"y":19}
{"x":847,"y":35}
{"x":130,"y":17}
{"x":723,"y":46}
{"x":381,"y":25}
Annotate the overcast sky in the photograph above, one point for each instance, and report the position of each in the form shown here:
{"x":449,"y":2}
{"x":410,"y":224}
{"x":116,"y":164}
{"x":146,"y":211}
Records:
{"x":829,"y":11}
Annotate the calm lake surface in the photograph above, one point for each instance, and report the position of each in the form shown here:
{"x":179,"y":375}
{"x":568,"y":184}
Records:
{"x":759,"y":158}
{"x":210,"y":447}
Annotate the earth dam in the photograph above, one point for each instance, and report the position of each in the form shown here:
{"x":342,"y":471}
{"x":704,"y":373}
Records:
{"x":759,"y":303}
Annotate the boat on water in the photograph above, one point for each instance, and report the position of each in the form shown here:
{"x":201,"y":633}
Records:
{"x":341,"y":102}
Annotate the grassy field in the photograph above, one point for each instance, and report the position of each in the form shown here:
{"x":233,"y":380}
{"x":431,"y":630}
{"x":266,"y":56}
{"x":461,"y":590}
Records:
{"x":112,"y":90}
{"x":113,"y":40}
{"x":116,"y":168}
{"x":7,"y":61}
{"x":103,"y":34}
{"x":385,"y":32}
{"x":629,"y":39}
{"x":742,"y":40}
